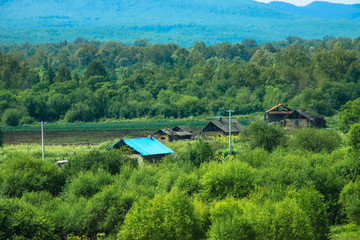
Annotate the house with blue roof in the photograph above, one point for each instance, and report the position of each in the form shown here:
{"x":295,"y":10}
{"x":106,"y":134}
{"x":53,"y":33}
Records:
{"x":147,"y":148}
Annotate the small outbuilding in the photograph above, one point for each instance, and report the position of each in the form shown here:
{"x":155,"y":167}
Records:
{"x":221,"y":127}
{"x":147,"y":148}
{"x":174,"y":134}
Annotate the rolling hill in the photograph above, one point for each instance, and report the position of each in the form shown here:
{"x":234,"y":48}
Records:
{"x":181,"y":22}
{"x":321,"y":9}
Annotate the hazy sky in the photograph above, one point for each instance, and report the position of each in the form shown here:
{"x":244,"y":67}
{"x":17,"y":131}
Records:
{"x":306,"y":2}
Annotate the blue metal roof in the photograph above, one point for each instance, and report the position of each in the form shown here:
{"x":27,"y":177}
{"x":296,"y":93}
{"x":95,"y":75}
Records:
{"x":144,"y":146}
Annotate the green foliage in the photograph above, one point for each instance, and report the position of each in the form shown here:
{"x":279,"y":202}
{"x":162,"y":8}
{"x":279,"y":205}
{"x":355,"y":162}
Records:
{"x":350,"y":200}
{"x":21,"y":221}
{"x":110,"y":161}
{"x":290,"y":221}
{"x":354,"y":136}
{"x":228,"y":221}
{"x":199,"y":152}
{"x":87,"y":184}
{"x":267,"y":136}
{"x":235,"y":179}
{"x":91,"y":80}
{"x":12,"y":116}
{"x":164,"y":217}
{"x":312,"y":203}
{"x":1,"y":138}
{"x":349,"y":114}
{"x":22,"y":173}
{"x":315,"y":140}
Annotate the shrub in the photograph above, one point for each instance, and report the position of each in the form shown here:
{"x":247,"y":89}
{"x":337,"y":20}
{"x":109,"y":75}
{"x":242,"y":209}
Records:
{"x":234,"y":179}
{"x":350,"y":200}
{"x":23,"y":173}
{"x":164,"y":217}
{"x":316,"y":140}
{"x":228,"y":221}
{"x":312,"y":203}
{"x":12,"y":116}
{"x":290,"y":222}
{"x":1,"y":138}
{"x":267,"y":136}
{"x":110,"y":161}
{"x":21,"y":221}
{"x":87,"y":184}
{"x":199,"y":152}
{"x":354,"y":136}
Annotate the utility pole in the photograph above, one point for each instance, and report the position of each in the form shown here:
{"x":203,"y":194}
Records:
{"x":230,"y":111}
{"x":42,"y":140}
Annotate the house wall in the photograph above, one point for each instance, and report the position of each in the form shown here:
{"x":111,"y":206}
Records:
{"x":213,"y":133}
{"x":162,"y":138}
{"x":296,"y":123}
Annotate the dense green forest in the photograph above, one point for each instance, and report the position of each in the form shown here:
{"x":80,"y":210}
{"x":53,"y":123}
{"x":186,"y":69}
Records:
{"x":275,"y":184}
{"x":90,"y":80}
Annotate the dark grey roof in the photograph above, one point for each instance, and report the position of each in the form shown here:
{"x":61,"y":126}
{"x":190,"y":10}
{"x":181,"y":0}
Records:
{"x":181,"y":128}
{"x":171,"y":132}
{"x":224,"y":125}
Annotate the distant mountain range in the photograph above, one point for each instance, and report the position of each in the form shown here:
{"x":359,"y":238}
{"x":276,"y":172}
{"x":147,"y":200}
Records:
{"x":322,"y":10}
{"x":163,"y":21}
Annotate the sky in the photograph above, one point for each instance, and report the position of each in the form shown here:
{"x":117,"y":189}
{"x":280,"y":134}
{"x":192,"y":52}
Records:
{"x":306,"y":2}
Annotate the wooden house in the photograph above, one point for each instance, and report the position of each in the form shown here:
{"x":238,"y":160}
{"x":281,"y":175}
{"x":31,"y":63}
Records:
{"x":174,"y":134}
{"x":147,"y":148}
{"x":299,"y":119}
{"x":277,"y":114}
{"x":288,"y":118}
{"x":221,"y":127}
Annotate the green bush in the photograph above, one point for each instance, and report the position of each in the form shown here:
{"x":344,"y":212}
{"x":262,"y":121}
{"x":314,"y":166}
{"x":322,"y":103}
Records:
{"x":86,"y":184}
{"x":350,"y":200}
{"x":20,"y":221}
{"x":22,"y":173}
{"x":12,"y":116}
{"x":1,"y":138}
{"x":316,"y":140}
{"x":267,"y":136}
{"x":235,"y":179}
{"x":312,"y":203}
{"x":103,"y":213}
{"x":349,"y":114}
{"x":228,"y":221}
{"x":199,"y":152}
{"x":164,"y":217}
{"x":111,"y":161}
{"x":354,"y":136}
{"x":290,"y":222}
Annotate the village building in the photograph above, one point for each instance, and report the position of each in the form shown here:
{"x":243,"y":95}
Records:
{"x":147,"y":148}
{"x":277,"y":114}
{"x":174,"y":134}
{"x":220,"y":127}
{"x":288,"y":118}
{"x":299,"y":119}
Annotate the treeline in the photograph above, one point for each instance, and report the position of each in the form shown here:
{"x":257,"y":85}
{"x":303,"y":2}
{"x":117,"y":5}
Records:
{"x":275,"y":185}
{"x":90,"y":80}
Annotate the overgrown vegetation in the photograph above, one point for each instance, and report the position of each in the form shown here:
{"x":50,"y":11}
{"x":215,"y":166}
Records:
{"x":307,"y":187}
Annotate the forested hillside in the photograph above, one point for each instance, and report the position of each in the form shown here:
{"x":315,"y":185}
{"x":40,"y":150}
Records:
{"x":88,"y":80}
{"x":180,"y":22}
